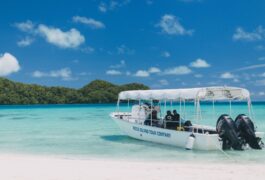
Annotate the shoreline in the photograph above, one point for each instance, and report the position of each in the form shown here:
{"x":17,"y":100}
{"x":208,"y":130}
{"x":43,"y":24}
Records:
{"x":32,"y":167}
{"x":254,"y":102}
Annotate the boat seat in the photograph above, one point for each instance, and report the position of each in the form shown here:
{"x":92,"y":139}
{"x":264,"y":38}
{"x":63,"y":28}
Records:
{"x":171,"y":124}
{"x":175,"y":124}
{"x":155,"y":122}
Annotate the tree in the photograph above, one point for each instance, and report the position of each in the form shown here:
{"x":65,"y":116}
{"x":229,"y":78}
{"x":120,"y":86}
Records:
{"x":97,"y":91}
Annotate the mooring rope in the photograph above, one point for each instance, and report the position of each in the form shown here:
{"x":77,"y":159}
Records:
{"x":226,"y":154}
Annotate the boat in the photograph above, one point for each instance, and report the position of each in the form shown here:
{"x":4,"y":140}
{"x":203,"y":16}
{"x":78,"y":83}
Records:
{"x":148,"y":122}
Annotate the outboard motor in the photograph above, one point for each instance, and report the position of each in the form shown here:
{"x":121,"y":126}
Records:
{"x":247,"y":131}
{"x":226,"y":129}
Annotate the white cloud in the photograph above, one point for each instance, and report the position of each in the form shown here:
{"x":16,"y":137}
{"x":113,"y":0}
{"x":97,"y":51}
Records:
{"x":260,"y":82}
{"x":212,"y":83}
{"x":166,"y":54}
{"x":142,"y":73}
{"x":102,"y":7}
{"x":236,"y":80}
{"x":84,"y":74}
{"x":198,"y":75}
{"x":261,"y":58}
{"x":246,"y":76}
{"x":261,"y":93}
{"x":227,"y":75}
{"x":171,"y":25}
{"x":88,"y":50}
{"x":257,"y":34}
{"x":189,"y":1}
{"x":120,"y":65}
{"x":149,"y":2}
{"x":183,"y":83}
{"x":8,"y":64}
{"x":199,"y":63}
{"x":113,"y":4}
{"x":39,"y":74}
{"x":113,"y":72}
{"x":154,"y":70}
{"x":57,"y":37}
{"x":163,"y":82}
{"x":262,"y":75}
{"x":179,"y":70}
{"x":25,"y":42}
{"x":76,"y":61}
{"x":92,"y":23}
{"x":260,"y":47}
{"x":65,"y":74}
{"x":26,"y":26}
{"x":122,"y":49}
{"x":251,"y":67}
{"x":147,"y":73}
{"x":63,"y":39}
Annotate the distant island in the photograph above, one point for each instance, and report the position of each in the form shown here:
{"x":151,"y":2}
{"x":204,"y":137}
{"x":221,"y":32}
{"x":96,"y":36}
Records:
{"x":97,"y":91}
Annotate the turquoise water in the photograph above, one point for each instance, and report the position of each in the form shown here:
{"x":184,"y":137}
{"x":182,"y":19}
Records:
{"x":86,"y":131}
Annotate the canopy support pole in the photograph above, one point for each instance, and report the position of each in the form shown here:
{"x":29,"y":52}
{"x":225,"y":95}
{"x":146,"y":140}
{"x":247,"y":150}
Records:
{"x":250,"y":110}
{"x":165,"y":108}
{"x":230,"y":107}
{"x":151,"y":112}
{"x":118,"y":107}
{"x":180,"y":112}
{"x":160,"y":112}
{"x":195,"y":109}
{"x":197,"y":113}
{"x":140,"y":108}
{"x":214,"y":109}
{"x":200,"y":113}
{"x":184,"y":102}
{"x":128,"y":104}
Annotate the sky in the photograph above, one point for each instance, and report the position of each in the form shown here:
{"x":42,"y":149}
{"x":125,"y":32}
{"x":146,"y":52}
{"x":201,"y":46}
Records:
{"x":163,"y":44}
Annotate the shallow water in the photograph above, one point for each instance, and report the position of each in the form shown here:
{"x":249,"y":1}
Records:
{"x":87,"y":131}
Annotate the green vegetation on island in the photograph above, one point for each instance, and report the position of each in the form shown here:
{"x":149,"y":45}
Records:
{"x":97,"y":91}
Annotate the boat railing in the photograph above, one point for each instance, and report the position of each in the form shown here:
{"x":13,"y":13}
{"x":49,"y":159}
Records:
{"x":195,"y":128}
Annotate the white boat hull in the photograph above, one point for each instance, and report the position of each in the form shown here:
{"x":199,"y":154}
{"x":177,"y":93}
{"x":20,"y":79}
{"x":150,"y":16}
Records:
{"x":167,"y":136}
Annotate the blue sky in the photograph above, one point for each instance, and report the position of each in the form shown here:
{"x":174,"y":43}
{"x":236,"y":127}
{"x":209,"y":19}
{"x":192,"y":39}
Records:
{"x":163,"y":44}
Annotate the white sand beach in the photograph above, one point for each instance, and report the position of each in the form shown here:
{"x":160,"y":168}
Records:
{"x":24,"y":167}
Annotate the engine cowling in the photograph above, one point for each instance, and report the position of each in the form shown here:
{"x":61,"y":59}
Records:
{"x":246,"y":131}
{"x":227,"y":130}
